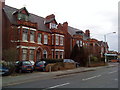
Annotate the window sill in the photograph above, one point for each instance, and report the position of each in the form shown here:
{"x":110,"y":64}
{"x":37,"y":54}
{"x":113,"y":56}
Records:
{"x":32,"y":42}
{"x":24,"y":41}
{"x":40,"y":43}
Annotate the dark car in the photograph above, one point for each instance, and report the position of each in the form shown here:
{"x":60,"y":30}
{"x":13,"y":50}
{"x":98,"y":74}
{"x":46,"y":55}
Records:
{"x":24,"y":66}
{"x":4,"y":71}
{"x":40,"y":65}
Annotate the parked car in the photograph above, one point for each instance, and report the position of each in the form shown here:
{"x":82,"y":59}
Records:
{"x":40,"y":65}
{"x":71,"y":61}
{"x":4,"y":70}
{"x":68,"y":61}
{"x":32,"y":62}
{"x":24,"y":66}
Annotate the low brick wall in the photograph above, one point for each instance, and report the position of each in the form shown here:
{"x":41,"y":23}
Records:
{"x":97,"y":64}
{"x":59,"y":66}
{"x":69,"y":65}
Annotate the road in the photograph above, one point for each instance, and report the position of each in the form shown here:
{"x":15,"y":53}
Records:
{"x":105,"y":77}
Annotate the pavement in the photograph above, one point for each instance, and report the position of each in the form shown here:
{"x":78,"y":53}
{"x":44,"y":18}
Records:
{"x":24,"y":78}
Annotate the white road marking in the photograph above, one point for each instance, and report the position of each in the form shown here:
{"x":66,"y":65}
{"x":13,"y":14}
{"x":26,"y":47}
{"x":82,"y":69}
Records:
{"x":112,"y":72}
{"x":59,"y":85}
{"x":91,"y":77}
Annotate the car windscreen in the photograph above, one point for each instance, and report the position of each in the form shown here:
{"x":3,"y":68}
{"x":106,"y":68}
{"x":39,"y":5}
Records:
{"x":39,"y":63}
{"x":26,"y":63}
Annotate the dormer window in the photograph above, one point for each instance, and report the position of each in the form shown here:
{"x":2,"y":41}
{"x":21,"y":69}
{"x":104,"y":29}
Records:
{"x":53,"y":26}
{"x":22,"y":16}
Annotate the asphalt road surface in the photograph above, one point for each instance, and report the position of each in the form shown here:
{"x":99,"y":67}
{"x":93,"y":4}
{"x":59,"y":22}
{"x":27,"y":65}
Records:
{"x":106,"y":77}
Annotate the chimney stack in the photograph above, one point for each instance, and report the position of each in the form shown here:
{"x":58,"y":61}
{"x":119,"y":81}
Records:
{"x":87,"y":32}
{"x":2,"y":3}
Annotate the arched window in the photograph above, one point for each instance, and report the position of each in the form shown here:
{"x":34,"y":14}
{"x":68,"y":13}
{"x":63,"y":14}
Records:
{"x":44,"y":54}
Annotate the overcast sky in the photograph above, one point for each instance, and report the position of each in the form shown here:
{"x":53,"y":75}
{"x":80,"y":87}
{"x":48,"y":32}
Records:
{"x":99,"y":16}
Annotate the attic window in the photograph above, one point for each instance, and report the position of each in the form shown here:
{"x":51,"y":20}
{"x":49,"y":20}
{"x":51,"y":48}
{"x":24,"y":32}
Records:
{"x":53,"y":26}
{"x":22,"y":17}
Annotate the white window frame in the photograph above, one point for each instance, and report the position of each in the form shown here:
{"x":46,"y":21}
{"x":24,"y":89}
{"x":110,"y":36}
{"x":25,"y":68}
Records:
{"x":53,"y":26}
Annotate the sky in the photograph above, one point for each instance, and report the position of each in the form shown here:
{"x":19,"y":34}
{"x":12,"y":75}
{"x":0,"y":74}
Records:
{"x":99,"y":16}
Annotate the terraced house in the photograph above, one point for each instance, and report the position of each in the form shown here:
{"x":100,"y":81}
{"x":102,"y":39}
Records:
{"x":36,"y":37}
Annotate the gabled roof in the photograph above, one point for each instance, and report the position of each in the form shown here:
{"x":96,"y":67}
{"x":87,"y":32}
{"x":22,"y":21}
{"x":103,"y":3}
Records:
{"x":9,"y":11}
{"x":20,"y":10}
{"x":72,"y":31}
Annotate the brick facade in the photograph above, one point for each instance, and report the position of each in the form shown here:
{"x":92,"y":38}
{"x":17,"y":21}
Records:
{"x":36,"y":37}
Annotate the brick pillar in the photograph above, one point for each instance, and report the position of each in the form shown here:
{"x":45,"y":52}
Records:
{"x":21,"y":32}
{"x":28,"y":54}
{"x":20,"y":54}
{"x":28,"y":35}
{"x":35,"y":55}
{"x":36,"y":37}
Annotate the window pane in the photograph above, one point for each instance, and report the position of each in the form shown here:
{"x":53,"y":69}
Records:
{"x":45,"y":39}
{"x":25,"y":33}
{"x":24,"y":54}
{"x":57,"y":40}
{"x":31,"y":35}
{"x":31,"y":57}
{"x":45,"y":54}
{"x":39,"y":38}
{"x":61,"y":40}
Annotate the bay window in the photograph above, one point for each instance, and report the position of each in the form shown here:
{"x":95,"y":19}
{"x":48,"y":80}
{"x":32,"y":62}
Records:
{"x":32,"y":37}
{"x":31,"y":56}
{"x":24,"y":54}
{"x":57,"y":40}
{"x":25,"y":35}
{"x":61,"y":41}
{"x":39,"y":37}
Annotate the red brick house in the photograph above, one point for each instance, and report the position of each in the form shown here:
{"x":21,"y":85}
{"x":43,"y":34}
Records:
{"x":36,"y":37}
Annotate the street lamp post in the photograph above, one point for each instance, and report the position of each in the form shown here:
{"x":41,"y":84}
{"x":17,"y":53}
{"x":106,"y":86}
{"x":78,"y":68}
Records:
{"x":106,"y":45}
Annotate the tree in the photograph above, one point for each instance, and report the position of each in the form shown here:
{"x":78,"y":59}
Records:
{"x":80,"y":54}
{"x":10,"y":56}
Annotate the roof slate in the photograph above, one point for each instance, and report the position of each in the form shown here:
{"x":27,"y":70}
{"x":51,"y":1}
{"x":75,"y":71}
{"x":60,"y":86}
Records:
{"x":32,"y":17}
